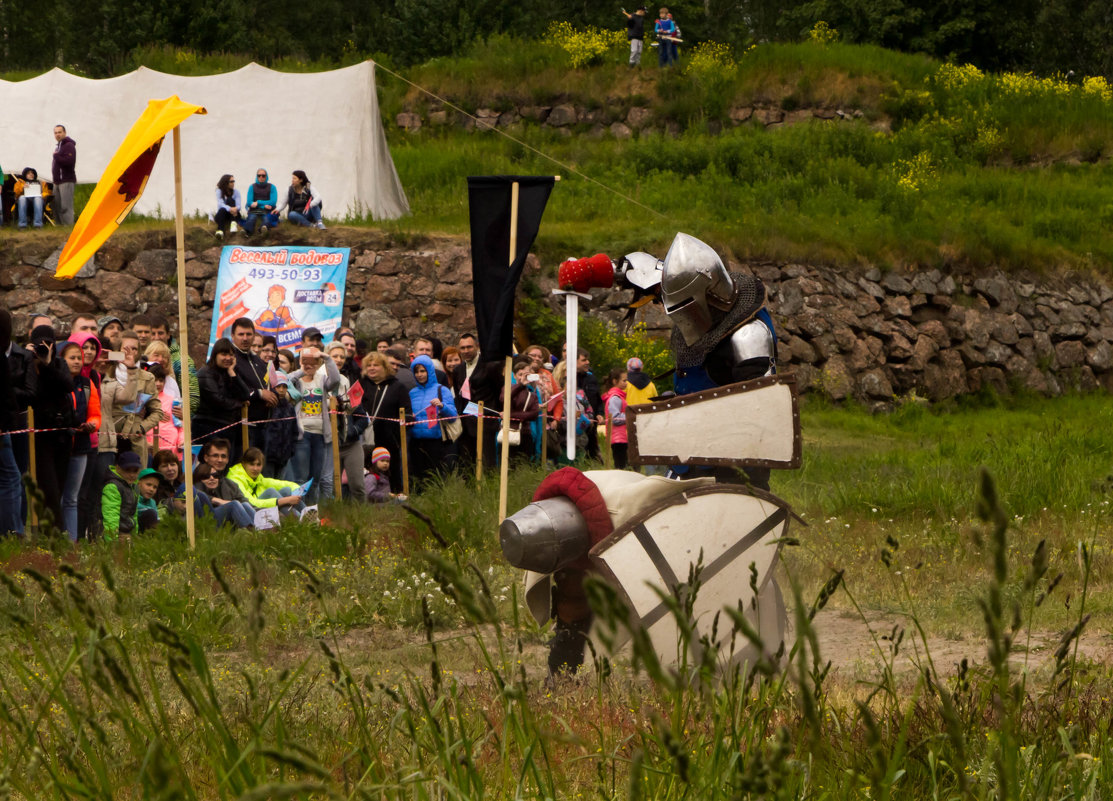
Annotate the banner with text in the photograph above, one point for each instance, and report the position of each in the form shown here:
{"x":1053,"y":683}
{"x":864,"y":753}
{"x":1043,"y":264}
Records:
{"x":283,"y":290}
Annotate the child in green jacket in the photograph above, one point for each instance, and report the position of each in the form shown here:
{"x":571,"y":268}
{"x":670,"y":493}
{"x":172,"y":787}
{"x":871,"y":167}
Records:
{"x":148,"y":511}
{"x":118,"y":503}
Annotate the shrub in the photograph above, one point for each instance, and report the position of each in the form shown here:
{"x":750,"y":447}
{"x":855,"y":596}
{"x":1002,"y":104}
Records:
{"x":584,"y":47}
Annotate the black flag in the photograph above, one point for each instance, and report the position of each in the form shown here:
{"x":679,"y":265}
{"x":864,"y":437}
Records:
{"x":494,"y":277}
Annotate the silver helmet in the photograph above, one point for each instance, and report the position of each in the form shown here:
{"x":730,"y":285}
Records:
{"x":695,"y":287}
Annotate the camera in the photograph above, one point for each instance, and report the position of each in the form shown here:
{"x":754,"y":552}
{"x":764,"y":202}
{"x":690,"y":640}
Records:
{"x":533,"y":378}
{"x":42,"y":349}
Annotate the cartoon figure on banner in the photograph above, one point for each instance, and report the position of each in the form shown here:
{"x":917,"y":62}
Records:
{"x":277,"y":319}
{"x":644,"y":534}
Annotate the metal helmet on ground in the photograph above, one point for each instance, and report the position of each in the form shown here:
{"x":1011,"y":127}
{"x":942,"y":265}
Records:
{"x":695,"y":287}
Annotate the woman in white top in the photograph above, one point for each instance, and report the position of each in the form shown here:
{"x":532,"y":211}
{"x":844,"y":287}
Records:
{"x":229,"y":208}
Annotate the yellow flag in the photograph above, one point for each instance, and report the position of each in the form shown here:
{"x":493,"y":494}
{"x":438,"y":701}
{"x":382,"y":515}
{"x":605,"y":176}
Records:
{"x":123,"y":181}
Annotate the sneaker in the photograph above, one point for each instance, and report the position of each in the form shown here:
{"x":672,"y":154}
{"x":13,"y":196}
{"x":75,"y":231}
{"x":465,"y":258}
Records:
{"x":321,"y":226}
{"x":220,"y":235}
{"x":263,"y":232}
{"x":233,"y":228}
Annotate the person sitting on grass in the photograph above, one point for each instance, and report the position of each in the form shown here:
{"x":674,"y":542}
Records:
{"x":147,"y":508}
{"x":262,"y":492}
{"x":118,"y":504}
{"x":228,"y":503}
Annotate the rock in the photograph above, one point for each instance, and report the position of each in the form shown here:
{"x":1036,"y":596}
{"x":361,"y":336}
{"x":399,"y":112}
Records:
{"x":900,"y":348}
{"x":1100,"y":357}
{"x":976,"y":327}
{"x":408,"y":121}
{"x":897,"y":306}
{"x":769,"y":116}
{"x":871,"y":288}
{"x":154,"y":265}
{"x":926,"y":282}
{"x":1070,"y":353}
{"x":923,"y":352}
{"x":946,"y":377}
{"x":376,"y":323}
{"x":638,"y":116}
{"x":111,"y":258}
{"x":998,"y":291}
{"x":835,"y":380}
{"x":980,"y":378}
{"x":536,"y":113}
{"x":896,"y":283}
{"x":620,"y":130}
{"x":996,"y":353}
{"x":739,"y":114}
{"x":799,"y":351}
{"x":874,"y":385}
{"x":438,"y":117}
{"x":937,"y":331}
{"x":508,"y":118}
{"x":380,"y":289}
{"x":114,"y":290}
{"x":561,"y":116}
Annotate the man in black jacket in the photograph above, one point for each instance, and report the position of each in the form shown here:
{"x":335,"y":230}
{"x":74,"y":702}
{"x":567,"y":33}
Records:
{"x":484,"y":385}
{"x":253,"y":371}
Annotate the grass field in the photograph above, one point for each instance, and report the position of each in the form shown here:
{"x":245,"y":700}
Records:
{"x":345,"y":662}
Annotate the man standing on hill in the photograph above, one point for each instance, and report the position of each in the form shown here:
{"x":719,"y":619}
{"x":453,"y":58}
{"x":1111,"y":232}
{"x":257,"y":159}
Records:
{"x":63,"y":172}
{"x":635,"y":32}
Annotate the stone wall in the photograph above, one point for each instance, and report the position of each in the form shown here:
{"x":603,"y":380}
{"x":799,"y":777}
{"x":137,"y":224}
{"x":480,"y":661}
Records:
{"x":849,"y":334}
{"x":616,"y":117}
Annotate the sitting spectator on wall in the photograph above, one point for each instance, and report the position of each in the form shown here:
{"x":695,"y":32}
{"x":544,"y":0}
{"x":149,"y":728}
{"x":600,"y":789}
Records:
{"x":29,"y":191}
{"x":262,"y":198}
{"x":229,"y":207}
{"x":303,"y":201}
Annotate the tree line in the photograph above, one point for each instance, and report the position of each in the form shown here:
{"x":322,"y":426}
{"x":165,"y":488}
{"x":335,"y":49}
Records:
{"x":100,"y":37}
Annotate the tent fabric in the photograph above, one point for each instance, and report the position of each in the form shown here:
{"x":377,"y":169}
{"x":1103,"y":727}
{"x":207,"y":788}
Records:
{"x":326,"y":123}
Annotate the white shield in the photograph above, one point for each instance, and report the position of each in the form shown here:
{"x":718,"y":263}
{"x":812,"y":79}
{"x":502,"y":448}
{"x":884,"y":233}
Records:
{"x":749,"y":424}
{"x":735,"y":531}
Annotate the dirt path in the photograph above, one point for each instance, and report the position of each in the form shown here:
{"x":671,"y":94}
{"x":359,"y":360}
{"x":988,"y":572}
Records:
{"x":855,"y":652}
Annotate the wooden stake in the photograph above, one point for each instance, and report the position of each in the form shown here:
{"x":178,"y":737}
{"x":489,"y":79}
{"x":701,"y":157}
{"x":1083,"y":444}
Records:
{"x":337,"y":491}
{"x":544,"y":437}
{"x":405,"y":452}
{"x":245,"y":434}
{"x":608,"y":456}
{"x":504,"y":471}
{"x":504,"y":468}
{"x":479,"y":445}
{"x":183,"y":340}
{"x":32,"y":469}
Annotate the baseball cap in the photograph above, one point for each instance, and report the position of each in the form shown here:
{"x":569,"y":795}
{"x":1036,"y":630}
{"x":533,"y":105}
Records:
{"x":129,"y":460}
{"x":148,"y":472}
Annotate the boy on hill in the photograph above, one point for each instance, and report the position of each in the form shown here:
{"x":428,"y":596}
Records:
{"x":260,"y":491}
{"x":118,"y":505}
{"x":635,"y":32}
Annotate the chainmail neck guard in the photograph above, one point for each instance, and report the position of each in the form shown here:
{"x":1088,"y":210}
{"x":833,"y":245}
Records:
{"x":749,"y":297}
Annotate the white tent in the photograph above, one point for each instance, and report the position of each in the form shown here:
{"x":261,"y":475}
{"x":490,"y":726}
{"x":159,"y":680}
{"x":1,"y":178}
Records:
{"x":326,"y":123}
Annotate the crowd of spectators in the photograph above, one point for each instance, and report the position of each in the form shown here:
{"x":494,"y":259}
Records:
{"x":105,"y":400}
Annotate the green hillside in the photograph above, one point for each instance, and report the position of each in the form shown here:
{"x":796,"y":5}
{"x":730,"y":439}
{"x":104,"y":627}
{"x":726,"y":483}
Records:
{"x":923,"y":163}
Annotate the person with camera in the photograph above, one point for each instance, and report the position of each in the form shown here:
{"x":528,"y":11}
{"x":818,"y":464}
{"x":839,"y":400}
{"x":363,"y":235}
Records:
{"x":134,"y":420}
{"x":54,"y":419}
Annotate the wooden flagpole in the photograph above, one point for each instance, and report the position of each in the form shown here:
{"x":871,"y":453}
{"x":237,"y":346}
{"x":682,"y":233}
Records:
{"x":183,"y":340}
{"x":504,"y":471}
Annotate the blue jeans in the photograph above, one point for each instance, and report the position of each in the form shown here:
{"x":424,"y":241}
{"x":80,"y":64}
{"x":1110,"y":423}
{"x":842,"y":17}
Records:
{"x":75,"y":474}
{"x":234,"y":512}
{"x":36,"y":203}
{"x":310,"y":218}
{"x":283,"y":493}
{"x":309,"y":462}
{"x":11,"y":490}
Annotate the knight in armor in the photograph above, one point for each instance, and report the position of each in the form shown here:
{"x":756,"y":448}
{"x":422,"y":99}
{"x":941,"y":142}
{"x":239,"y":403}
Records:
{"x":722,"y":333}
